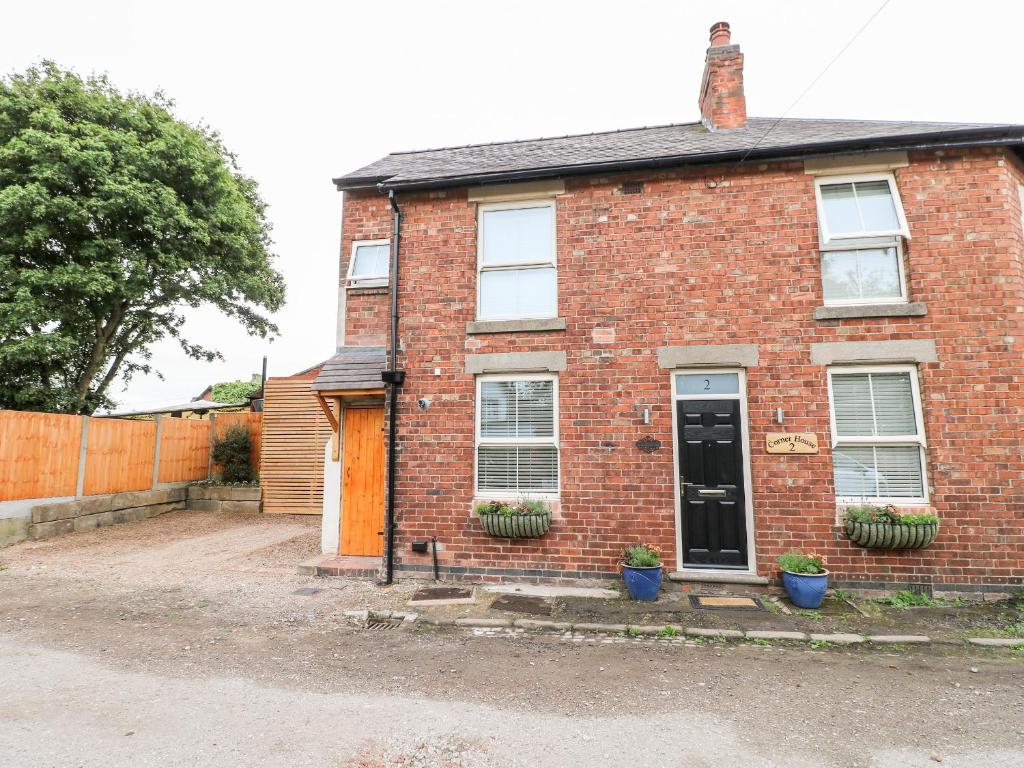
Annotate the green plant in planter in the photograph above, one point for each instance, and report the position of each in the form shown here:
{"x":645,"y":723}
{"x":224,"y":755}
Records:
{"x":642,"y":556}
{"x":526,"y":519}
{"x":877,"y":527}
{"x":797,"y":562}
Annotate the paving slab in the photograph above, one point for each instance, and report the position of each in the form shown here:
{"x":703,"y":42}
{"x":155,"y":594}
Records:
{"x":838,"y":638}
{"x":996,"y":642}
{"x":771,"y":634}
{"x":443,"y":596}
{"x":544,"y":590}
{"x":895,"y":639}
{"x":705,"y":632}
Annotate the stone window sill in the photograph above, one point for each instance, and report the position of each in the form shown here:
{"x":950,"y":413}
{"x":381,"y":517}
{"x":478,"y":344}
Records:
{"x":913,"y":309}
{"x":367,"y":290}
{"x":515,"y":326}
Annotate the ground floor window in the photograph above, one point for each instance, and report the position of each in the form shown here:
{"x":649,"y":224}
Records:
{"x":517,"y":435}
{"x":877,"y":434}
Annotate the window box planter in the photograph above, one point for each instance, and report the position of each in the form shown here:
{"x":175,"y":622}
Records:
{"x":529,"y":526}
{"x":891,"y":535}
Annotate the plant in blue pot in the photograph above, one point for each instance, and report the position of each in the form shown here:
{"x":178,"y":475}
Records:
{"x":804,"y":577}
{"x":642,"y":571}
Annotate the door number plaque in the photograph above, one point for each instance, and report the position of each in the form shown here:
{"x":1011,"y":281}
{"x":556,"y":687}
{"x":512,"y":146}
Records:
{"x":792,"y":442}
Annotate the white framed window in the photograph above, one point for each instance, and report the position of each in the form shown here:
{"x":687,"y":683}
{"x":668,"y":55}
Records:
{"x":369,"y":263}
{"x":517,"y":436}
{"x":866,"y":205}
{"x":863,"y":275}
{"x":878,"y":437}
{"x":517,"y":274}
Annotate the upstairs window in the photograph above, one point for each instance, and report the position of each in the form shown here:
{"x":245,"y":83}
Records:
{"x":517,"y":436}
{"x":863,"y":275}
{"x":877,"y":434}
{"x":516,"y":258}
{"x":862,"y":225}
{"x":369,"y":264}
{"x":859,"y":207}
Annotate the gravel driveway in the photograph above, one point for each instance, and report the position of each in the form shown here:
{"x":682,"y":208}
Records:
{"x":178,"y":641}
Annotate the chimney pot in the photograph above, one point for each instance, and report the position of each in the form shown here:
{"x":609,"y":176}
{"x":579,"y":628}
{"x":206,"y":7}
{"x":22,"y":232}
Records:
{"x":720,"y":34}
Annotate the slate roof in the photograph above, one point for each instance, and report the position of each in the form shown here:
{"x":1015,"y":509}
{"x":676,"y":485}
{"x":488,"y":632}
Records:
{"x":659,"y":146}
{"x":352,"y":368}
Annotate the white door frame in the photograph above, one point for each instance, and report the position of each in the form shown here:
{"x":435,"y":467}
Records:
{"x":748,"y":495}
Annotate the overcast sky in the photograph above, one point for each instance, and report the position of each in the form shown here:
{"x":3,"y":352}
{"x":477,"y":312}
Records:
{"x":302,"y":92}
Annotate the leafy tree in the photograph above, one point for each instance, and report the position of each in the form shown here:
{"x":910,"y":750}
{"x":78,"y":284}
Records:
{"x":233,"y":391}
{"x":114,"y":218}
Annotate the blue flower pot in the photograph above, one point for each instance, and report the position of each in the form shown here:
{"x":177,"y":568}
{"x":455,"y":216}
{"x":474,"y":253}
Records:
{"x":806,"y":590}
{"x":642,"y":583}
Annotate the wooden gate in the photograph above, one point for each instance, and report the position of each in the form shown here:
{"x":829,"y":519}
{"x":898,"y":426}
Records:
{"x":362,"y":482}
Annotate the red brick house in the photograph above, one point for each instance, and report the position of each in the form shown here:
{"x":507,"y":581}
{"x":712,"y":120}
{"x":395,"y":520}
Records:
{"x":632,"y":325}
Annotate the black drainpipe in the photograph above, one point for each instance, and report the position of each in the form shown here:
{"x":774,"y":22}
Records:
{"x":394,"y":378}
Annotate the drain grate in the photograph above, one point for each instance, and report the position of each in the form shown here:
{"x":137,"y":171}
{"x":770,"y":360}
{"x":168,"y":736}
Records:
{"x":723,"y":603}
{"x":381,"y":623}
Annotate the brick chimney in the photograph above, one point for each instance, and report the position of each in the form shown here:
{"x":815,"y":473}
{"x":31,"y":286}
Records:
{"x":722,"y":104}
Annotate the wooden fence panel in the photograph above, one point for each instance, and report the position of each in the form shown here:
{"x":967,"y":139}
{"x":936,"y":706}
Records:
{"x":251,"y":421}
{"x":38,"y":454}
{"x":119,"y":456}
{"x":184,"y":450}
{"x":295,"y":433}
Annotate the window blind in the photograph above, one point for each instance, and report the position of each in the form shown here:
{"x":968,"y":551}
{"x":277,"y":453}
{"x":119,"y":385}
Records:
{"x":517,"y":451}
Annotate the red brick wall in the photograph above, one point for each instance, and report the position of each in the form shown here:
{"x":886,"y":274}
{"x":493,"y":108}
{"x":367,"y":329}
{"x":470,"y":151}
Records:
{"x":366,"y":216}
{"x":697,"y":259}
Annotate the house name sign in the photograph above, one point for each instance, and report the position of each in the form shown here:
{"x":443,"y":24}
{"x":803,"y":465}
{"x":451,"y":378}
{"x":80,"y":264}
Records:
{"x":792,"y":442}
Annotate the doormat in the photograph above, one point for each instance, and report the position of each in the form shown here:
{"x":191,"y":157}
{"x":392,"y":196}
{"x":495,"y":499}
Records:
{"x":535,"y":606}
{"x":720,"y":603}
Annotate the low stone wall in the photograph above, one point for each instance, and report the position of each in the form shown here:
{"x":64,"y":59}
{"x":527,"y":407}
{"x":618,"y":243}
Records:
{"x":84,"y":514}
{"x":225,"y":498}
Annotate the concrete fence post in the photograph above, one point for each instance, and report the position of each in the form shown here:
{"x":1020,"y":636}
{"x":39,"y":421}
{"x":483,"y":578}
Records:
{"x":213,"y":441}
{"x":83,"y":445}
{"x":156,"y":450}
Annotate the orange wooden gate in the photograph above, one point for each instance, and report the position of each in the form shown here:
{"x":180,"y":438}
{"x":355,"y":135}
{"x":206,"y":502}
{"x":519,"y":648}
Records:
{"x":362,"y":482}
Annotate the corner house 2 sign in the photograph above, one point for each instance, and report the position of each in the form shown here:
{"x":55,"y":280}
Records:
{"x":795,"y":442}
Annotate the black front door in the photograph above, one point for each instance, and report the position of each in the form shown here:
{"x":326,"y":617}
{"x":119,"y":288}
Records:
{"x":711,"y":484}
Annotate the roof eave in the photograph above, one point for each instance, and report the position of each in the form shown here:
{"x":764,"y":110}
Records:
{"x":988,"y":136}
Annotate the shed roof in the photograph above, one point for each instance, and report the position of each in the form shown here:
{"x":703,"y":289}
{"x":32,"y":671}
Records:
{"x":352,"y":368}
{"x":663,"y":145}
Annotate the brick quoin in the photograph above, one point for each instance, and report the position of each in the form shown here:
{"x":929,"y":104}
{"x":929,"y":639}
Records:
{"x":717,"y":255}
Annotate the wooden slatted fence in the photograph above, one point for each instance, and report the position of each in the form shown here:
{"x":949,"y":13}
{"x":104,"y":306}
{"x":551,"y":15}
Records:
{"x":295,"y":434}
{"x":184,"y":450}
{"x":119,"y":456}
{"x":38,"y":455}
{"x":40,"y":452}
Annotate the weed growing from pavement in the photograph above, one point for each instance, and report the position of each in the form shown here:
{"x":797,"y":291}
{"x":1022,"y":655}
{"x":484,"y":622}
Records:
{"x":815,"y":615}
{"x":908,"y":599}
{"x":761,"y":641}
{"x":632,"y":632}
{"x":668,"y":631}
{"x":820,"y":644}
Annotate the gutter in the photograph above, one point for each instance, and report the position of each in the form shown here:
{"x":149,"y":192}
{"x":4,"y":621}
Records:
{"x":1002,"y":136}
{"x":394,"y":378}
